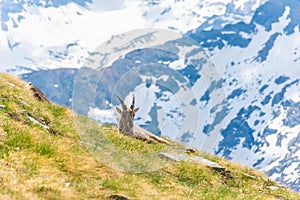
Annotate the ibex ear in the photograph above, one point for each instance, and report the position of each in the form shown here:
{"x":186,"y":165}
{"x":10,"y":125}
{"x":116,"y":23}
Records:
{"x":119,"y":110}
{"x":136,"y":109}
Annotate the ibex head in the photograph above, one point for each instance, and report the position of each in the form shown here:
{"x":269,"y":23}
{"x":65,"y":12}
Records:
{"x":127,"y":116}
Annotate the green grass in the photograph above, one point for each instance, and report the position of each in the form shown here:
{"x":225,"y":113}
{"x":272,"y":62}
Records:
{"x":62,"y":163}
{"x":45,"y":149}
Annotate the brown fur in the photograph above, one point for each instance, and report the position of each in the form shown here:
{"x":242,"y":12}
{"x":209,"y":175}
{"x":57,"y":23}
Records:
{"x":127,"y":127}
{"x":127,"y":117}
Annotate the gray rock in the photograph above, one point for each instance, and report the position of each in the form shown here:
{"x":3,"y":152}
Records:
{"x":33,"y":120}
{"x":197,"y":159}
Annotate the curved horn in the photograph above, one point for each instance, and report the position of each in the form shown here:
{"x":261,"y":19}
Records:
{"x":132,"y":104}
{"x":124,"y":107}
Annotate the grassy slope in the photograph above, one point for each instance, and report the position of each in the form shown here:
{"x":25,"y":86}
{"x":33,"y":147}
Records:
{"x":36,"y":163}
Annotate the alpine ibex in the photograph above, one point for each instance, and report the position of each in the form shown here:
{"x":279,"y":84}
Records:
{"x":127,"y":117}
{"x":127,"y":127}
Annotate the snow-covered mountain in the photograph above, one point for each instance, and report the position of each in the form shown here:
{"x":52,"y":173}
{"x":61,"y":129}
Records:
{"x":259,"y":61}
{"x":253,"y":45}
{"x":52,"y":34}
